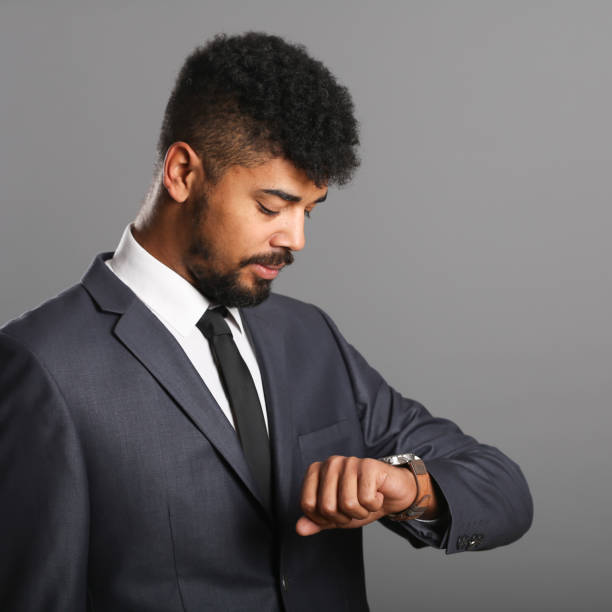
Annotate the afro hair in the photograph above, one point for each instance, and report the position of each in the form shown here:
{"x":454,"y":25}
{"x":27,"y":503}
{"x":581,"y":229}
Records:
{"x":241,"y":99}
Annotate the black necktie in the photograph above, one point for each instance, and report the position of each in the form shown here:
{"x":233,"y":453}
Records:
{"x":242,"y":395}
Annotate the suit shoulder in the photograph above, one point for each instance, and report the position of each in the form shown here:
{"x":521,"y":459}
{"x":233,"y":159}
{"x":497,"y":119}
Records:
{"x":56,"y":320}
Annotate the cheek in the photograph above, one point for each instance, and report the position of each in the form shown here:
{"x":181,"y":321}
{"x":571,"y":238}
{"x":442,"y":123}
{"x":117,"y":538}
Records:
{"x":235,"y":235}
{"x":229,"y":245}
{"x":217,"y":231}
{"x":250,"y":237}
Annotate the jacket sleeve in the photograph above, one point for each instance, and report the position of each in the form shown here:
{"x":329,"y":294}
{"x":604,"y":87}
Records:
{"x":44,"y":510}
{"x":489,"y":503}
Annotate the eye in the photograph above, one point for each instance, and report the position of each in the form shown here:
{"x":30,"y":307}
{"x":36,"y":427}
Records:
{"x":307,"y":213}
{"x":266,"y":211}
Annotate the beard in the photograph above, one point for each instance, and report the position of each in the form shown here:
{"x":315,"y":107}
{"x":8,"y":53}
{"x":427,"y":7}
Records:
{"x":224,"y":287}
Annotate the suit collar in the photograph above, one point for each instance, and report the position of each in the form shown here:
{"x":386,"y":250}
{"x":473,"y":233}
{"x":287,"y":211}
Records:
{"x":169,"y":295}
{"x":174,"y":300}
{"x":107,"y":291}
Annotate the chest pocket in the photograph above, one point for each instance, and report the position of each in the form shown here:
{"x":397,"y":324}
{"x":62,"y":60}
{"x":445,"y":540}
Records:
{"x":340,"y":438}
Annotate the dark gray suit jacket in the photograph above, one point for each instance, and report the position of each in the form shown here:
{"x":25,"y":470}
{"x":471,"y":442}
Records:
{"x":123,"y":487}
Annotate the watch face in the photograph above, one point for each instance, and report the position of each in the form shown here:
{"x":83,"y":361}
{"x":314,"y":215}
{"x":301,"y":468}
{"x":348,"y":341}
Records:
{"x":399,"y":459}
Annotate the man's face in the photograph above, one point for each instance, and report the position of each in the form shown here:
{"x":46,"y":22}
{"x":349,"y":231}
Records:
{"x":244,"y":229}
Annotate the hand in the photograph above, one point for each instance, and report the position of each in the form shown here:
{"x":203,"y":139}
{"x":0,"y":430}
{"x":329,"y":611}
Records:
{"x":348,"y":492}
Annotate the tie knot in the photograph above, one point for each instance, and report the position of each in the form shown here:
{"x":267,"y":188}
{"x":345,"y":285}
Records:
{"x":212,"y":323}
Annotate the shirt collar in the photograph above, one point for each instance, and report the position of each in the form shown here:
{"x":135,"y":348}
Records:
{"x":165,"y":292}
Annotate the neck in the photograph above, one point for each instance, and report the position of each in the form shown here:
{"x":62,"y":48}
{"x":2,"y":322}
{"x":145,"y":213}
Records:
{"x":158,"y":230}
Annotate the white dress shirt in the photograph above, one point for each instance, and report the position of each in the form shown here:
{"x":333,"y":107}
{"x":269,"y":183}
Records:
{"x":179,"y":306}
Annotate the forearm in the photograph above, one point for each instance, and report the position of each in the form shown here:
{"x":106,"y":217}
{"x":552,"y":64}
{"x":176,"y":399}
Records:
{"x":486,"y":492}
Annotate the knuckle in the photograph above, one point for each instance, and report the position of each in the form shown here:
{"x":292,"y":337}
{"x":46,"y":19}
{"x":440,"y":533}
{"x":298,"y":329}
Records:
{"x":350,"y":506}
{"x":352,"y":464}
{"x":327,"y":508}
{"x":368,"y":499}
{"x":368,"y":463}
{"x":313,"y":468}
{"x":349,"y":503}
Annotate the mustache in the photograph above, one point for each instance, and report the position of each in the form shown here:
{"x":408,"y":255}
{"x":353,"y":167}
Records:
{"x":270,"y":259}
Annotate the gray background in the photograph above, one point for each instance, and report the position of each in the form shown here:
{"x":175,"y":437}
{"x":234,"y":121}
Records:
{"x":469,"y":260}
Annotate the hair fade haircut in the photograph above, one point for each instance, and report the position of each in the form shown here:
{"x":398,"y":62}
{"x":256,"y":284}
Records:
{"x":240,"y":99}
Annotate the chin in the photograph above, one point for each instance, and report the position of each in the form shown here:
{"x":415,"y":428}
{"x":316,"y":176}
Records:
{"x":247,"y":297}
{"x":229,"y":292}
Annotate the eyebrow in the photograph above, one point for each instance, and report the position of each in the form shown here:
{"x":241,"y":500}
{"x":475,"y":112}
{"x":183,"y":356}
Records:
{"x":288,"y":197}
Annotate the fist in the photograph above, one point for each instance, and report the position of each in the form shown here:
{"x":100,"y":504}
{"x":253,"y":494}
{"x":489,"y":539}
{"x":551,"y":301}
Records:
{"x":348,"y":492}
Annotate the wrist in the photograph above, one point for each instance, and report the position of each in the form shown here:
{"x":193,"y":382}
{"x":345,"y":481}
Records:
{"x":421,"y":503}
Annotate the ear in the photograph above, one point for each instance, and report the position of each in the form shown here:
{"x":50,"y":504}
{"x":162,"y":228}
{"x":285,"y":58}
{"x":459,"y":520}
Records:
{"x":182,"y":171}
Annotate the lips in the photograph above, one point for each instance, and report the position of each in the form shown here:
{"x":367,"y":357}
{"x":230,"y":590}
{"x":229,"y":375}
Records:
{"x":267,"y":272}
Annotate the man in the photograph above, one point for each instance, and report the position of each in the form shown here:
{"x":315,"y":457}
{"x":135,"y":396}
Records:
{"x":172,"y":436}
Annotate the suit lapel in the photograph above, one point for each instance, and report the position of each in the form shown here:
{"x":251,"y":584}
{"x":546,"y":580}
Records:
{"x":270,"y":351}
{"x":158,"y":351}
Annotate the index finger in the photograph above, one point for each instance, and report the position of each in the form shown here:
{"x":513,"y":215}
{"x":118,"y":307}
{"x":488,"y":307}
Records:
{"x":310,"y":487}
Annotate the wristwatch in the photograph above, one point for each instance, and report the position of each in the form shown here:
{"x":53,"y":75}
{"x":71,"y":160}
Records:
{"x":417,"y":467}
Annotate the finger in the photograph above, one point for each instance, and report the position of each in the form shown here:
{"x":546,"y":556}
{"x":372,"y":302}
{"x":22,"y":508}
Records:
{"x":371,"y":479}
{"x":306,"y":527}
{"x":319,"y":479}
{"x":327,"y":503}
{"x":310,"y":488}
{"x":348,"y":501}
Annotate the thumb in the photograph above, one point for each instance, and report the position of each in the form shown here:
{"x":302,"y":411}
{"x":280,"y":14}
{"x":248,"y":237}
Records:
{"x":306,"y":527}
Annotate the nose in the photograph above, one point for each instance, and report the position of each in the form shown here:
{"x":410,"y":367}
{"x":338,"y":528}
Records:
{"x":291,"y":233}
